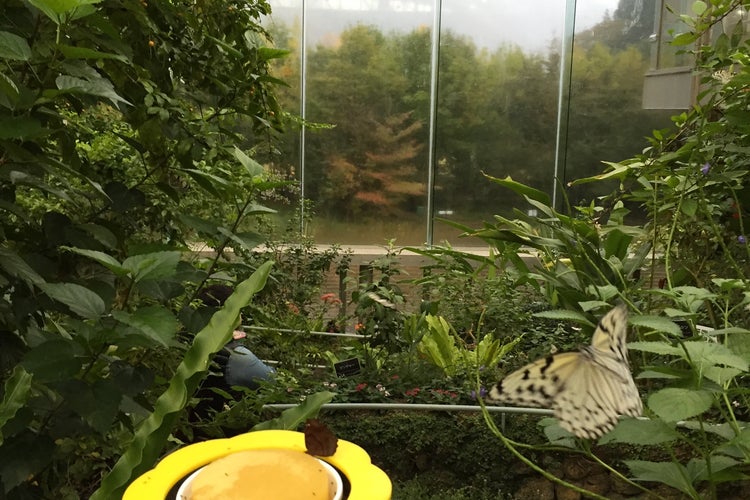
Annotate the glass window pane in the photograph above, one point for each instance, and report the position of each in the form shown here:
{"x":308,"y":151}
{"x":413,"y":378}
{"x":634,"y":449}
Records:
{"x":497,"y":106}
{"x":606,"y":121}
{"x":367,"y":88}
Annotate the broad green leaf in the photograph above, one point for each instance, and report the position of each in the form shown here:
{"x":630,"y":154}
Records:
{"x":656,"y":323}
{"x":79,"y":299}
{"x":251,"y":166}
{"x":291,"y":418}
{"x":689,"y":206}
{"x":199,"y":224}
{"x":522,"y":189}
{"x":700,"y":471}
{"x":20,"y":127}
{"x":156,"y":323}
{"x":102,"y":258}
{"x":101,"y":234}
{"x":85,"y":53}
{"x":97,"y":404}
{"x":617,"y":244}
{"x":698,"y":7}
{"x":669,"y":473}
{"x":565,"y":315}
{"x":152,"y":433}
{"x":154,"y":265}
{"x":14,"y":47}
{"x":14,"y":265}
{"x":9,"y":89}
{"x":641,"y":432}
{"x":24,"y":456}
{"x":704,"y":354}
{"x":56,"y":10}
{"x":15,"y":394}
{"x":656,"y":348}
{"x":674,"y":404}
{"x":52,"y":360}
{"x":248,"y":240}
{"x":101,"y":87}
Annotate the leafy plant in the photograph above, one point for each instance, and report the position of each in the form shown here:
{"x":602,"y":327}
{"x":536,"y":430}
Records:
{"x":127,"y":132}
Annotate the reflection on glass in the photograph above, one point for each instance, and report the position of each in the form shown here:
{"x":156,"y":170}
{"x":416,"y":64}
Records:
{"x":668,"y":25}
{"x":368,"y":79}
{"x":497,"y":106}
{"x":367,"y":85}
{"x":605,"y":116}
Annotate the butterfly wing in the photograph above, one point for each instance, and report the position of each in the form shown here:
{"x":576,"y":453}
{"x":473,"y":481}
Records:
{"x":538,"y":383}
{"x":588,"y":389}
{"x":593,"y":398}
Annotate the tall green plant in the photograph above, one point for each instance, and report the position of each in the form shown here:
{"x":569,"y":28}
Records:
{"x":127,"y":134}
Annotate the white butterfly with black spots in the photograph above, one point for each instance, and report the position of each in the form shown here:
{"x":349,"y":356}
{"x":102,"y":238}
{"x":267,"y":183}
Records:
{"x":587,"y":390}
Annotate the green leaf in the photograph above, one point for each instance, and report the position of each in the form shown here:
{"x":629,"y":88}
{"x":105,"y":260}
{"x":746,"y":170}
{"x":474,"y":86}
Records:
{"x":56,"y":10}
{"x":522,"y":189}
{"x":251,"y":166}
{"x":52,"y":360}
{"x":291,"y":418}
{"x":154,"y":265}
{"x":15,"y":266}
{"x":152,"y":433}
{"x":156,"y":323}
{"x":705,"y":354}
{"x":439,"y":346}
{"x":79,"y":299}
{"x":655,"y":347}
{"x":14,"y":47}
{"x":23,"y":457}
{"x":85,"y":53}
{"x":669,"y":473}
{"x":20,"y":127}
{"x":698,"y":7}
{"x":618,"y":171}
{"x":199,"y":224}
{"x":9,"y":88}
{"x":15,"y":394}
{"x":689,"y":206}
{"x":674,"y":404}
{"x":268,"y":53}
{"x":656,"y":323}
{"x":565,"y":315}
{"x":641,"y":432}
{"x":100,"y":87}
{"x":102,"y":258}
{"x":617,"y":244}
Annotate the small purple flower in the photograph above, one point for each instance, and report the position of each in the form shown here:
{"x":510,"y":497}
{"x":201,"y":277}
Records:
{"x":741,"y":239}
{"x":705,"y":168}
{"x":482,"y":393}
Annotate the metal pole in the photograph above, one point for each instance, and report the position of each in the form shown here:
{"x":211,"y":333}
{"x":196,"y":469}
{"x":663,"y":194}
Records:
{"x":563,"y":92}
{"x":431,"y":163}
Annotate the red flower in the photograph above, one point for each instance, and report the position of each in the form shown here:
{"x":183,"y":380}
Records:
{"x":394,"y":377}
{"x":360,"y":386}
{"x":412,"y":392}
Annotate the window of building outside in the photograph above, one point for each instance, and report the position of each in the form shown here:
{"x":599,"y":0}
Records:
{"x":539,"y":92}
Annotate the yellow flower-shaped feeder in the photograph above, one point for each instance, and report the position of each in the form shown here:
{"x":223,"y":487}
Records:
{"x":367,"y":481}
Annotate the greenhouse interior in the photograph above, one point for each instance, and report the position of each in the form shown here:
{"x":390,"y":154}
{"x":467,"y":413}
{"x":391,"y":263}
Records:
{"x":374,"y":249}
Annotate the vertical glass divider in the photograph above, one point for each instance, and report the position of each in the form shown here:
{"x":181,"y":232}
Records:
{"x":303,"y":113}
{"x":431,"y":162}
{"x":563,"y":97}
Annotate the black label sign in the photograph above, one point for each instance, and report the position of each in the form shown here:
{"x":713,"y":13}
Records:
{"x":347,"y":368}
